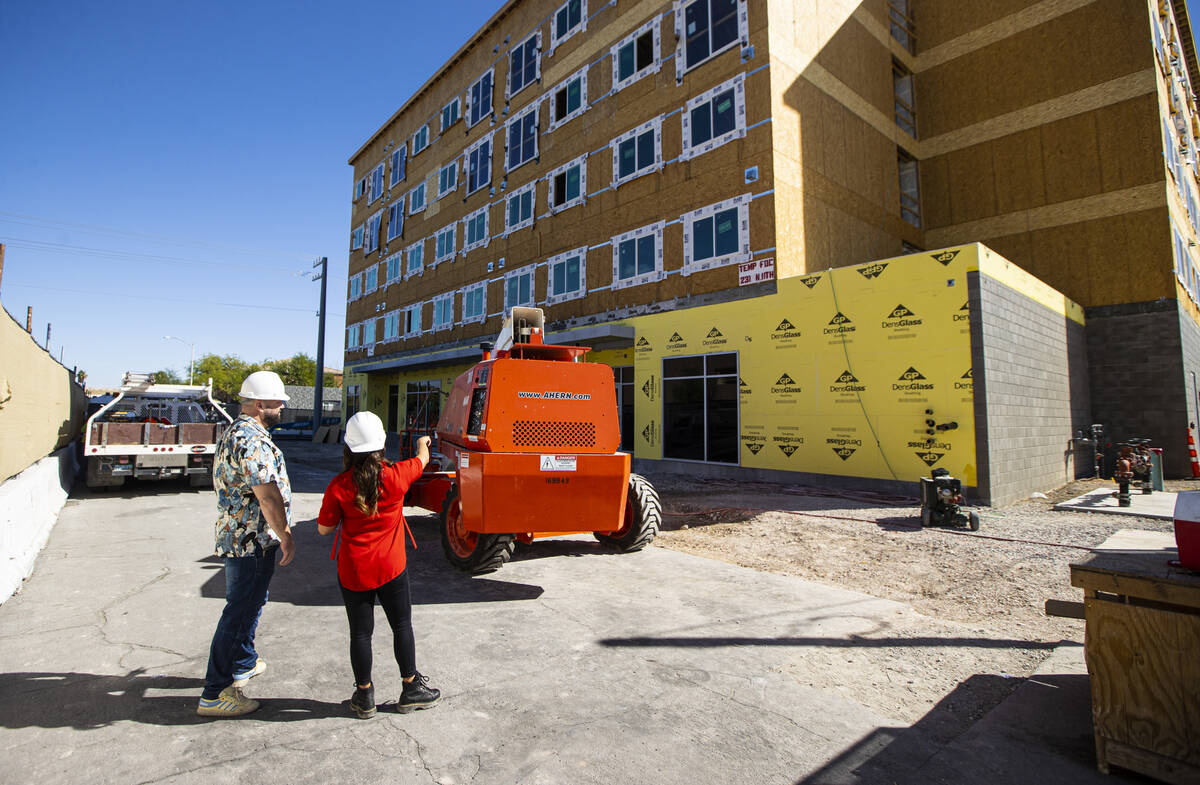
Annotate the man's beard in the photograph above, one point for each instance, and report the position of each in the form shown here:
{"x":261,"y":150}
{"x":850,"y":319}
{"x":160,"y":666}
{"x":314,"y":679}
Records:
{"x":272,"y":418}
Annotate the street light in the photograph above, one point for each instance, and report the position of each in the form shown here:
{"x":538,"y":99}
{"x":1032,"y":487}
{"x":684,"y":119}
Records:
{"x":192,"y":363}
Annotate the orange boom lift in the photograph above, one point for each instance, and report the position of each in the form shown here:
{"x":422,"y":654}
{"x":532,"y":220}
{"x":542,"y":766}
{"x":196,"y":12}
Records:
{"x":531,"y":435}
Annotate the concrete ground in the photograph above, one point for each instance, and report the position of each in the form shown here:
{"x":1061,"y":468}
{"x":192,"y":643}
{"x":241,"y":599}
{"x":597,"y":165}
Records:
{"x":572,"y":664}
{"x":1159,"y":505}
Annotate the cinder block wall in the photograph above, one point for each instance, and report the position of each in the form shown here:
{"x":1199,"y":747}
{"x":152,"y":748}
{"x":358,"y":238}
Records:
{"x":1031,"y":393}
{"x":1136,"y":356}
{"x":41,"y":406}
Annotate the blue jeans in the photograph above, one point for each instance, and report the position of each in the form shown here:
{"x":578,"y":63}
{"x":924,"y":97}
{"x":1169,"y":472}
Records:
{"x":247,"y":579}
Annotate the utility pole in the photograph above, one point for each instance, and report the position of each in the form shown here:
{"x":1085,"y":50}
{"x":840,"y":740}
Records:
{"x":29,"y":319}
{"x":47,"y":347}
{"x":1,"y":261}
{"x":319,"y":387}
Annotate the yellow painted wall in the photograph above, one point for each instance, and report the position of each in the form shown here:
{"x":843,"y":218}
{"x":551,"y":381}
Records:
{"x":837,"y":370}
{"x":41,"y":407}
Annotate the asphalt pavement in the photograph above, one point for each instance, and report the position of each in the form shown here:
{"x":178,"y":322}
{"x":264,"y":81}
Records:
{"x":572,"y":664}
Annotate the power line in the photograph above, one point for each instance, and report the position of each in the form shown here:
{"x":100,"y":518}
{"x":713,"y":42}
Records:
{"x":34,"y":220}
{"x":106,"y":253}
{"x":158,"y":298}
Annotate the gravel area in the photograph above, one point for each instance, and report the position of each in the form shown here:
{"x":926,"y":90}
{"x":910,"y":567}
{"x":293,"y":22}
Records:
{"x":982,"y":594}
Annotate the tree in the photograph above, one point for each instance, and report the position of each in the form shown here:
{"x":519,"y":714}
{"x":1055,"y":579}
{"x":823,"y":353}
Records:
{"x":165,"y":376}
{"x":299,"y":369}
{"x":227,"y":373}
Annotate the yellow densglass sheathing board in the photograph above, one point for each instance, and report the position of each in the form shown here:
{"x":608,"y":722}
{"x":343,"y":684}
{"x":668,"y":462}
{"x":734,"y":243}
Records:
{"x":837,"y":370}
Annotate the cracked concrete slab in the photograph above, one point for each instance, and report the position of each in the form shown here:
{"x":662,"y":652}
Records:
{"x":571,"y":664}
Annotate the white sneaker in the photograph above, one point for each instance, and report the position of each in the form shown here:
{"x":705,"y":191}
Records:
{"x":230,"y":703}
{"x":240,"y":679}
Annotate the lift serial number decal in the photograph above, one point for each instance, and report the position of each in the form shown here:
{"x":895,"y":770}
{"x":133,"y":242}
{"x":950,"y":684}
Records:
{"x":550,"y":395}
{"x":558,"y":463}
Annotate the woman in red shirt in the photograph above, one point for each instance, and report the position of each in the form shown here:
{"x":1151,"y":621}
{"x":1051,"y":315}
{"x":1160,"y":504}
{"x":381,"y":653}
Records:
{"x":367,"y":501}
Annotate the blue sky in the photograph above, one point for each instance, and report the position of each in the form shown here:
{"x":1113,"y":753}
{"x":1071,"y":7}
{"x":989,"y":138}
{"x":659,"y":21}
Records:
{"x":189,"y":156}
{"x":175,"y":168}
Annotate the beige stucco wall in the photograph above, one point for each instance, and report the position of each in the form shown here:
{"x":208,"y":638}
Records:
{"x":41,"y":407}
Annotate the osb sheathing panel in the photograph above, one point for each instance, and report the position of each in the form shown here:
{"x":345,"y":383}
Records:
{"x":1122,"y":259}
{"x":939,"y":22}
{"x":858,"y":60}
{"x":1107,"y":149}
{"x":1099,"y":42}
{"x":665,"y":195}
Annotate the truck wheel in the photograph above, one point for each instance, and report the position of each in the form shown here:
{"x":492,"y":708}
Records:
{"x":200,"y":481}
{"x":643,"y":515}
{"x":467,"y":550}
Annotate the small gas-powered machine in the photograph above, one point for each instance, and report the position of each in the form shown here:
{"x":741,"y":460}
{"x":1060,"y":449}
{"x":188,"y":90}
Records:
{"x":942,"y":502}
{"x":531,"y":435}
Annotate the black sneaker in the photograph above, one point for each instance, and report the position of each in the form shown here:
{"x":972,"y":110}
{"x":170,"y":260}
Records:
{"x":363,"y":701}
{"x":417,"y":694}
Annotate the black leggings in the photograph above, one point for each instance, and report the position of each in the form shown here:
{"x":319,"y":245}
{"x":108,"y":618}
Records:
{"x":397,"y":606}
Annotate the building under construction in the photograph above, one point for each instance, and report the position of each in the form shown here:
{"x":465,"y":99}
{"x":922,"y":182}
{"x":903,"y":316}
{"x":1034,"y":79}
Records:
{"x":831,"y":242}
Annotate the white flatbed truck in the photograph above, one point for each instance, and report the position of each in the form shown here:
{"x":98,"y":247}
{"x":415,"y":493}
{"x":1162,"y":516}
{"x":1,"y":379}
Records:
{"x":154,"y":432}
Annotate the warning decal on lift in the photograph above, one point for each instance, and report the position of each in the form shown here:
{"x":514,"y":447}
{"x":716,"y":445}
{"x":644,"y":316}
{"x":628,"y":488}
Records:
{"x":558,"y":463}
{"x":464,"y":460}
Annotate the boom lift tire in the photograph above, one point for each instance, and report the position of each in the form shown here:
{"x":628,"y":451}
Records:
{"x":470,"y":551}
{"x":643,"y":516}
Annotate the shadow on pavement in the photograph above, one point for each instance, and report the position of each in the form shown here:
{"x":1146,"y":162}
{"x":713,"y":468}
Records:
{"x":850,"y":642}
{"x":87,"y":700}
{"x":1048,"y":738}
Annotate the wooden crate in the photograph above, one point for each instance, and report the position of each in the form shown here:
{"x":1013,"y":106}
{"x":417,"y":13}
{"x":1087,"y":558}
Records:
{"x":1143,"y":638}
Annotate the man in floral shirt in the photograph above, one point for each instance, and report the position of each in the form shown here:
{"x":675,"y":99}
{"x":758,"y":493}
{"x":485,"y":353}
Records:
{"x":253,"y":527}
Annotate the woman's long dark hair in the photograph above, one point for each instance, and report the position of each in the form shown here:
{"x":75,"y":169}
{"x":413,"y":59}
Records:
{"x":364,"y":468}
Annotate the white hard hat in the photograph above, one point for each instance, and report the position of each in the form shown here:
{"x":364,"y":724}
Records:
{"x":263,"y":386}
{"x":364,"y":433}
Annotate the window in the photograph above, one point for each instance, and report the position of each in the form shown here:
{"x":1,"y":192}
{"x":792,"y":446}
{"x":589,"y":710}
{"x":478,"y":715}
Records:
{"x":566,"y":276}
{"x":445,"y":244}
{"x":569,"y":19}
{"x":368,"y":332}
{"x":636,"y":56}
{"x":521,"y":138}
{"x":524,"y":66}
{"x":360,"y":188}
{"x":416,"y":199}
{"x":450,"y":114}
{"x":372,"y":240}
{"x":709,"y":28}
{"x":518,"y":288}
{"x":637,"y":256}
{"x":356,"y":238}
{"x":700,"y":407}
{"x":479,"y":98}
{"x":906,"y":112}
{"x":352,"y":398}
{"x":474,"y":302}
{"x":900,"y":22}
{"x":399,"y":161}
{"x":352,"y":337}
{"x":414,"y":257}
{"x":569,"y":99}
{"x":375,"y":183}
{"x":568,"y":184}
{"x":355,"y":288}
{"x":371,"y":279}
{"x":448,"y":178}
{"x":391,"y":326}
{"x":637,"y":152}
{"x":479,"y":164}
{"x":518,"y":207}
{"x":715,"y":117}
{"x":395,"y":219}
{"x":412,"y":320}
{"x":422,"y":405}
{"x":910,"y":188}
{"x":443,"y":311}
{"x":393,"y":267}
{"x":475,"y":230}
{"x":623,"y":376}
{"x":717,"y":235}
{"x":420,"y":139}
